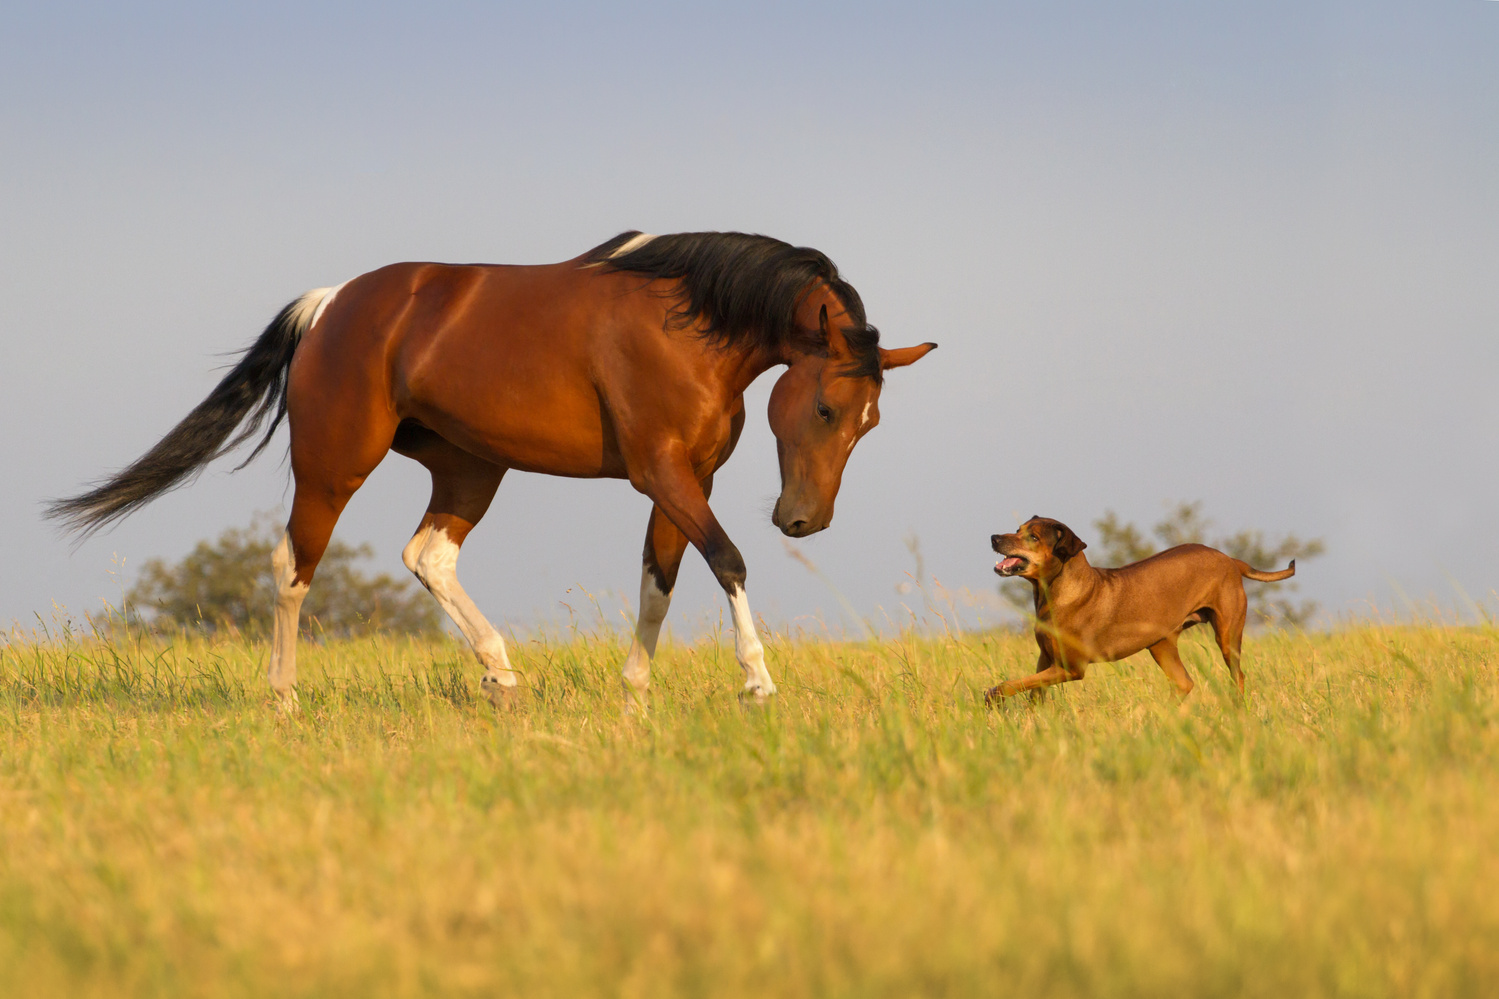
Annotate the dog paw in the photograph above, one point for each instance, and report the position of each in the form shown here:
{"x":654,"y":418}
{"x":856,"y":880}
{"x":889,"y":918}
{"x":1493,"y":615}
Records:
{"x":996,"y":694}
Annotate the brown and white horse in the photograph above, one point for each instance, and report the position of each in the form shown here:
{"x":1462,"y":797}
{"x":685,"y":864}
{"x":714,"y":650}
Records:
{"x":630,"y":361}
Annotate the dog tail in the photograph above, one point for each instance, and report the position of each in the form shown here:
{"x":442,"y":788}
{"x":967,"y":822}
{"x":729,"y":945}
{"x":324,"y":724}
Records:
{"x":1250,"y":572}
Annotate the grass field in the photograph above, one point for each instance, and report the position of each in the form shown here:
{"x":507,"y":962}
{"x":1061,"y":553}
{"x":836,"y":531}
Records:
{"x":875,"y":832}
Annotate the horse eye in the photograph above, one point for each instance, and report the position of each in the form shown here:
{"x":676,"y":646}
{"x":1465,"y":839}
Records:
{"x":824,"y":413}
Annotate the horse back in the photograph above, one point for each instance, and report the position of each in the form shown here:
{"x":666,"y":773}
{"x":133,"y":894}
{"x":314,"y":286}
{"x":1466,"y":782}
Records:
{"x":531,"y":367}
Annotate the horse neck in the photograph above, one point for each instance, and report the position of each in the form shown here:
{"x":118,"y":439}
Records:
{"x":741,"y":366}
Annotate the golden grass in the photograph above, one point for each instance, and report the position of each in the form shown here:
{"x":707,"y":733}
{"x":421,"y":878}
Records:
{"x":875,"y":832}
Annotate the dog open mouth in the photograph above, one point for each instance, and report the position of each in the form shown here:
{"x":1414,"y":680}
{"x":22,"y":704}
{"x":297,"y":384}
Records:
{"x":1010,"y":565}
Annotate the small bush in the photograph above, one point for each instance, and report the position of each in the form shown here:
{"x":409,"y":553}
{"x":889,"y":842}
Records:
{"x":226,"y":584}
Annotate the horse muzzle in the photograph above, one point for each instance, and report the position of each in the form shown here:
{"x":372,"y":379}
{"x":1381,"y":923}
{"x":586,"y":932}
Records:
{"x":798,"y":522}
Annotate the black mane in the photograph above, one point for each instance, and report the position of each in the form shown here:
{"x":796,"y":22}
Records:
{"x":741,"y":288}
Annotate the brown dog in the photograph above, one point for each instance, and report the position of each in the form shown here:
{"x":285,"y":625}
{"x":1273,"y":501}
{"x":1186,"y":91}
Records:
{"x":1086,"y":615}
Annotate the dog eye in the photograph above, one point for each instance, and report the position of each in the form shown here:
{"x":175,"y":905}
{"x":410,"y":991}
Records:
{"x":824,"y":413}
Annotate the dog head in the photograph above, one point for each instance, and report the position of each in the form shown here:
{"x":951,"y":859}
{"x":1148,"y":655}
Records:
{"x":1037,"y":550}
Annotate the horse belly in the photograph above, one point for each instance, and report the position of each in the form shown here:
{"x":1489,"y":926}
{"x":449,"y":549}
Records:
{"x":532,"y":435}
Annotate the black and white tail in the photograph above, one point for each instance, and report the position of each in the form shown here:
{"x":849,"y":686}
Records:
{"x":252,"y":392}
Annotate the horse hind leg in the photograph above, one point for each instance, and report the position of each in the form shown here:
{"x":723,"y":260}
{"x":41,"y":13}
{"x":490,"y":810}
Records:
{"x":281,"y":672}
{"x":314,"y":512}
{"x":462,"y":488}
{"x":332,"y":452}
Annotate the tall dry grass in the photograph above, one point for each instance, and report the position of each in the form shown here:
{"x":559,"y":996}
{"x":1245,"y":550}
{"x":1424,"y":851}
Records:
{"x":875,"y":832}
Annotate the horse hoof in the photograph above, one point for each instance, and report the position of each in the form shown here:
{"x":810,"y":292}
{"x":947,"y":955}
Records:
{"x":286,"y":702}
{"x":501,"y":695}
{"x":756,"y":695}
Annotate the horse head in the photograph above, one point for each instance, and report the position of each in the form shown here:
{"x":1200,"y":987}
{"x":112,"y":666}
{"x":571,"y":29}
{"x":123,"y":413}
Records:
{"x":826,"y":400}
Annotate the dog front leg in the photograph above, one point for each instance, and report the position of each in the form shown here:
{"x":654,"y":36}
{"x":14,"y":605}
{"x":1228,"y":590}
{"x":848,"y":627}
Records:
{"x":1039,"y":681}
{"x":1044,"y":662}
{"x":1169,"y":659}
{"x":1047,"y":674}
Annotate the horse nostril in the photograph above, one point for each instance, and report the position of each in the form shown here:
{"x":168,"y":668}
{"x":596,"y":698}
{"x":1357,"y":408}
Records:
{"x":796,"y":528}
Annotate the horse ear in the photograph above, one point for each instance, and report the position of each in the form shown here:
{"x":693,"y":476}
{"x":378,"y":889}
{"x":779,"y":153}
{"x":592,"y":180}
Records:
{"x":1067,"y":544}
{"x":831,"y":335}
{"x":902,"y":356}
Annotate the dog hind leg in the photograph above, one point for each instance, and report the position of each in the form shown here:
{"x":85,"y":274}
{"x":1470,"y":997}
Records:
{"x":1228,"y":627}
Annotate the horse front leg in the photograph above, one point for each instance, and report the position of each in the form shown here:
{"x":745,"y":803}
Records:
{"x":758,"y":685}
{"x":685,"y":500}
{"x":664,"y":546}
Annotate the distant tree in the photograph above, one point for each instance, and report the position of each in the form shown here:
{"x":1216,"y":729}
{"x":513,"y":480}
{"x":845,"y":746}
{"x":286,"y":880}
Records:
{"x":1120,"y":544}
{"x":227,"y":584}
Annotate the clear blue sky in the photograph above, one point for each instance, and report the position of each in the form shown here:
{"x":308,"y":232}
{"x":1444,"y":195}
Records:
{"x":1238,"y":253}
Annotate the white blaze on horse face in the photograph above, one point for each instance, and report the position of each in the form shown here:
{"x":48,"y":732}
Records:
{"x":281,"y":671}
{"x":747,"y":647}
{"x":855,"y":434}
{"x":433,"y":557}
{"x":653,"y":606}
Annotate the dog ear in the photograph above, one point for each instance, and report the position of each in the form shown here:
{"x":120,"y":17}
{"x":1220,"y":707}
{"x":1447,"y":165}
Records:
{"x":1067,"y":544}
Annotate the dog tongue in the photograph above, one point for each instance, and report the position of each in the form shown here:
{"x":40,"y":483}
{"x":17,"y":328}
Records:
{"x":1009,"y":563}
